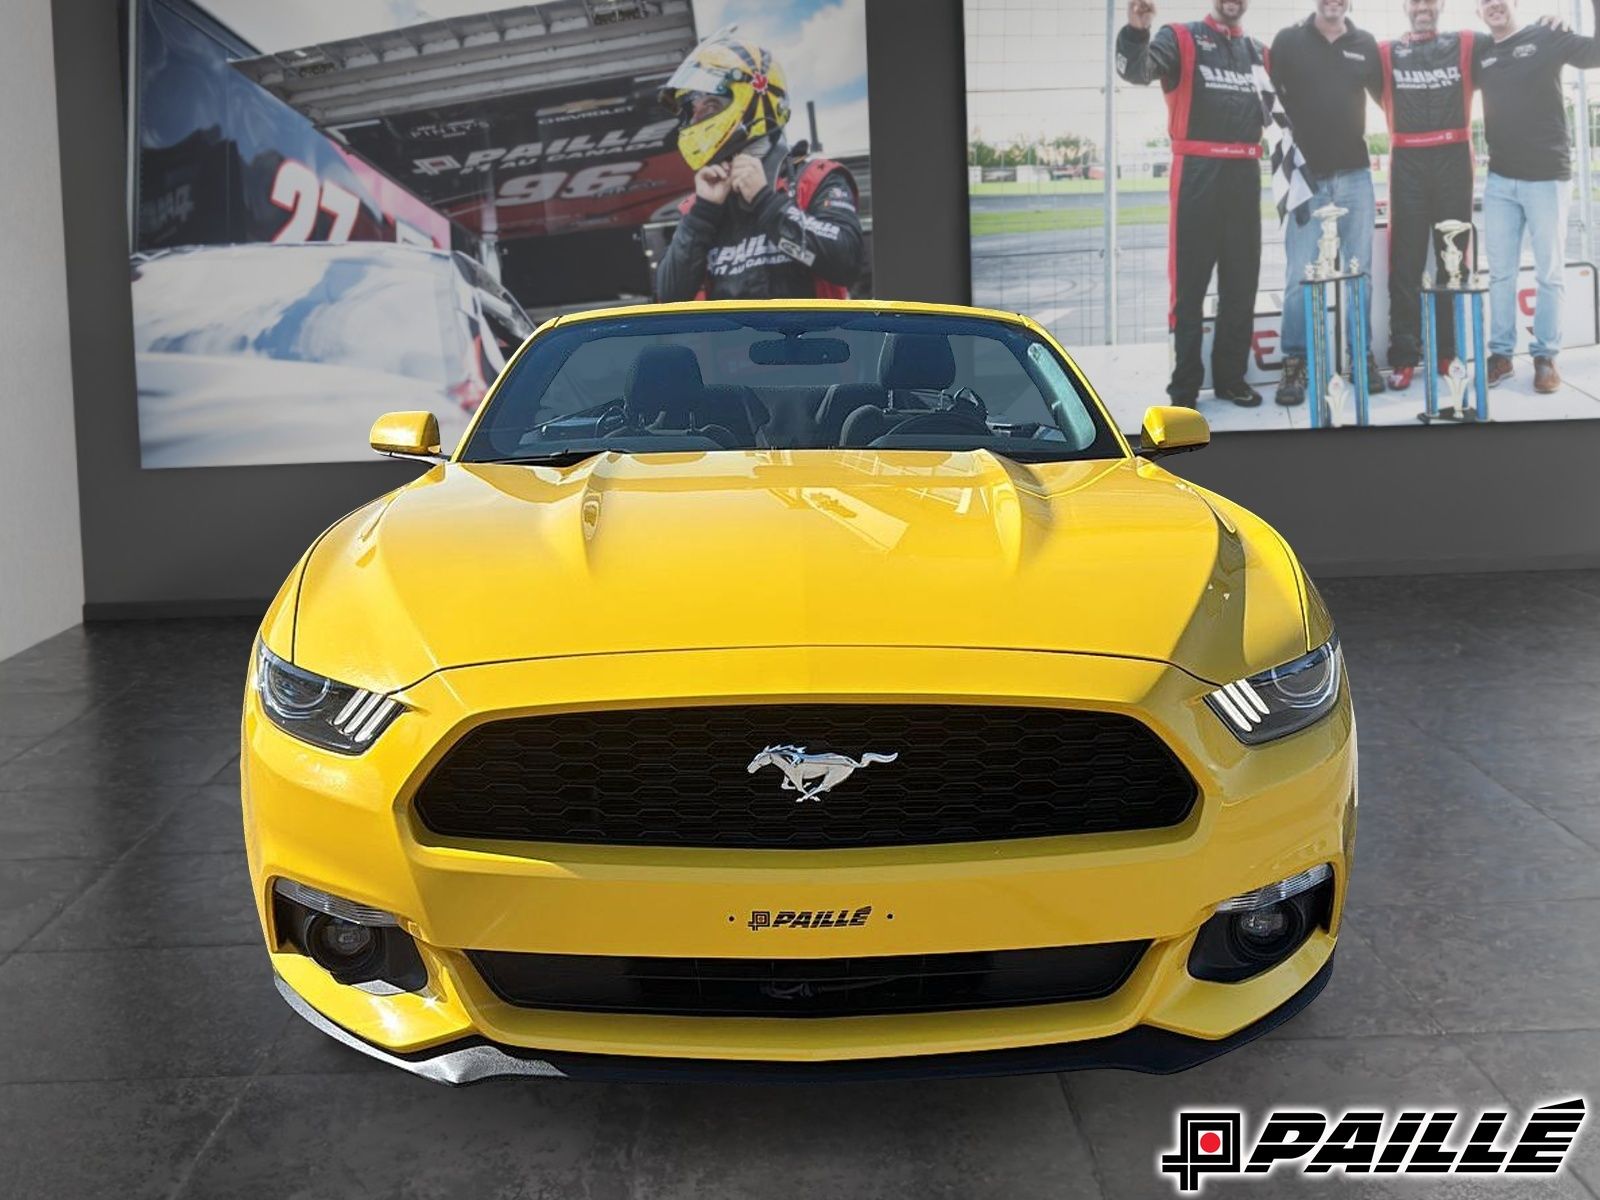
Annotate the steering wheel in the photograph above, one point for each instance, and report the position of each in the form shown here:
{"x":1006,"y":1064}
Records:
{"x":948,"y":422}
{"x":966,"y":398}
{"x":611,"y":419}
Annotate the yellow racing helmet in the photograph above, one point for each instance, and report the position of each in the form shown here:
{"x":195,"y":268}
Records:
{"x":727,"y":93}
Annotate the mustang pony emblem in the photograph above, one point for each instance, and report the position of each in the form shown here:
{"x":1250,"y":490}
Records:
{"x":812,"y":774}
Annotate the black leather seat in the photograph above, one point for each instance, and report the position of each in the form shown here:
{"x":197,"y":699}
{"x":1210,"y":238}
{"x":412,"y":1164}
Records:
{"x":915,"y":362}
{"x":907,"y":364}
{"x":839,"y":403}
{"x":666,"y":392}
{"x":663,"y":388}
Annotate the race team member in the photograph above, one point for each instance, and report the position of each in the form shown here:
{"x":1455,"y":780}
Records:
{"x":1518,"y":70}
{"x":1427,"y":97}
{"x":1323,"y":68}
{"x":761,"y":224}
{"x":1214,"y":118}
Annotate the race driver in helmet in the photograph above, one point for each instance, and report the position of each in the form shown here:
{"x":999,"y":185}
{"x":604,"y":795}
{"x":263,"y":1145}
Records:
{"x":763,"y":222}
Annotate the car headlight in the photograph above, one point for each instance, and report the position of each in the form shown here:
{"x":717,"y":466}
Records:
{"x":319,"y":710}
{"x":1283,"y":700}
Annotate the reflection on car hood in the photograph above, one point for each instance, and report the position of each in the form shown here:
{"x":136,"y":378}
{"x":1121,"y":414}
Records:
{"x":484,"y":563}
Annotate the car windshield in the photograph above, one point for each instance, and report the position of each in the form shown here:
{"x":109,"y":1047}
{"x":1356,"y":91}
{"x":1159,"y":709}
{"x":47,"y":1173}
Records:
{"x":373,"y":307}
{"x":790,"y":380}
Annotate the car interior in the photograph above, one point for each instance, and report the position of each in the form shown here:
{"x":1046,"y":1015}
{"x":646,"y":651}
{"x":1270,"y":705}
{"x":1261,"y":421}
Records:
{"x":665,"y":393}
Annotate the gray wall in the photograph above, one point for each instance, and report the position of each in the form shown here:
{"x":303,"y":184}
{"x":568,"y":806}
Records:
{"x":41,"y":584}
{"x":1352,"y":501}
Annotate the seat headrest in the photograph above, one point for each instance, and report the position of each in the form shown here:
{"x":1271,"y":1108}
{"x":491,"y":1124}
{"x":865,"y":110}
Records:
{"x":916,"y":360}
{"x":664,"y":381}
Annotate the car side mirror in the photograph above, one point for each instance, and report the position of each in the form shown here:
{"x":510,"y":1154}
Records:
{"x":1169,"y":429}
{"x":407,"y":434}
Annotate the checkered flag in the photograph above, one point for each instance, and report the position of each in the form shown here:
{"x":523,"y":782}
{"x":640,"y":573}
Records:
{"x":1290,"y":187}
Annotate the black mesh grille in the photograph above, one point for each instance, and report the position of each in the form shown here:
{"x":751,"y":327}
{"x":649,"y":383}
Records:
{"x":808,"y":987}
{"x":679,"y":777}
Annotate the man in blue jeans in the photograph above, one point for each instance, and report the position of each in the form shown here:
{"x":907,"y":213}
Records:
{"x":1323,"y":69}
{"x":1518,"y":70}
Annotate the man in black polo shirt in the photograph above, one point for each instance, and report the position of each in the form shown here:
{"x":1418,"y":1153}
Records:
{"x":1323,"y":69}
{"x":1518,"y":70}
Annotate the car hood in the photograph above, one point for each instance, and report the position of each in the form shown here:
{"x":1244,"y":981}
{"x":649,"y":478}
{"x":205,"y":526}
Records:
{"x":487,"y":563}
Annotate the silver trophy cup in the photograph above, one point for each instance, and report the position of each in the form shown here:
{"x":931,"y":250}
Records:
{"x":1452,"y":255}
{"x":1326,"y":265}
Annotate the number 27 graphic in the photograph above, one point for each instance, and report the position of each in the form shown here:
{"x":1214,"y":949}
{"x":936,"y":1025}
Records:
{"x":297,"y":189}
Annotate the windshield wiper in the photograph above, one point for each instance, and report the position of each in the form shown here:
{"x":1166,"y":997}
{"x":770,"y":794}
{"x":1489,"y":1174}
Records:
{"x":558,"y":458}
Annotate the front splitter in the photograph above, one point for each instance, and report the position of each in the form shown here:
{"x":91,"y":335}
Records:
{"x":1143,"y":1048}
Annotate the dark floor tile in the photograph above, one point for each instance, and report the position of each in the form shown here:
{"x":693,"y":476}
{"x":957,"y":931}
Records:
{"x":137,"y":1014}
{"x":11,"y":746}
{"x":1585,"y":581}
{"x":1130,"y":1120}
{"x":98,"y":751}
{"x":1496,"y":967}
{"x":207,"y":822}
{"x":1531,"y":1069}
{"x":1505,"y":709}
{"x":302,"y":1049}
{"x":1363,"y":999}
{"x":79,"y":822}
{"x":228,"y":774}
{"x":1559,"y":776}
{"x":120,"y":1140}
{"x":151,"y":899}
{"x":1500,"y":601}
{"x":32,"y":892}
{"x":31,"y":714}
{"x":1005,"y":1138}
{"x":1433,"y":827}
{"x":1379,"y":723}
{"x":972,"y":1138}
{"x":389,"y":1135}
{"x":207,"y":700}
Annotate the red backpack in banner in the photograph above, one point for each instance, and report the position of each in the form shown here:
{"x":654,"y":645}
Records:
{"x":805,"y":187}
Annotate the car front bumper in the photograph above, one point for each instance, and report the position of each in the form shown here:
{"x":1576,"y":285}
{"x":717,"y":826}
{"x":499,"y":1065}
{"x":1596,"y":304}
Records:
{"x":344,"y":825}
{"x":1144,"y":1048}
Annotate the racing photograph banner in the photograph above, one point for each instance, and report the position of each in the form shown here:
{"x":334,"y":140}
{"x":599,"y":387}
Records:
{"x":1295,"y":216}
{"x":342,"y":210}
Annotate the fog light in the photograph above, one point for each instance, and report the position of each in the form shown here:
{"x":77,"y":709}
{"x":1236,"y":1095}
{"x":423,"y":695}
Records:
{"x":354,"y":943}
{"x":1266,"y":935}
{"x":1264,"y":926}
{"x":350,"y":953}
{"x":1257,"y":930}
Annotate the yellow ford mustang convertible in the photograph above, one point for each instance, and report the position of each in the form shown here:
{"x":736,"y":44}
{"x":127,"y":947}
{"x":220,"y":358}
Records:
{"x":805,"y":690}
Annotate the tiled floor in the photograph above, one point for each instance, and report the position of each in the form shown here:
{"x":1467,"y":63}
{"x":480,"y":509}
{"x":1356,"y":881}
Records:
{"x":143,"y":1051}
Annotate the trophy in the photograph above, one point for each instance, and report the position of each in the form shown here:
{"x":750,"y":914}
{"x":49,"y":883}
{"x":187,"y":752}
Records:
{"x":1452,"y":254}
{"x":1338,"y":393}
{"x":1327,"y":264}
{"x":1456,"y":381}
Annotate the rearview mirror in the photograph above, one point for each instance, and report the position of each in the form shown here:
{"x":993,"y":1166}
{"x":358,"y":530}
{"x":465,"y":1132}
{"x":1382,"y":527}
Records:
{"x":800,"y":352}
{"x":410,"y":434}
{"x":1169,"y":429}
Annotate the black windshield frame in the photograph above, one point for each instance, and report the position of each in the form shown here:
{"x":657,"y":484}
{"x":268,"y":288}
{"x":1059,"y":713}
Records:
{"x":514,"y":426}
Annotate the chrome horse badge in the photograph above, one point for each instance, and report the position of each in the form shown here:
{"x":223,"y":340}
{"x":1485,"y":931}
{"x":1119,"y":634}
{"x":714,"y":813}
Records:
{"x":812,"y":774}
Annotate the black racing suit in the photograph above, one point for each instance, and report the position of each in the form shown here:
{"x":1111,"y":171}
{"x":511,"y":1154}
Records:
{"x":1427,"y":96}
{"x":1214,"y":222}
{"x":767,"y":248}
